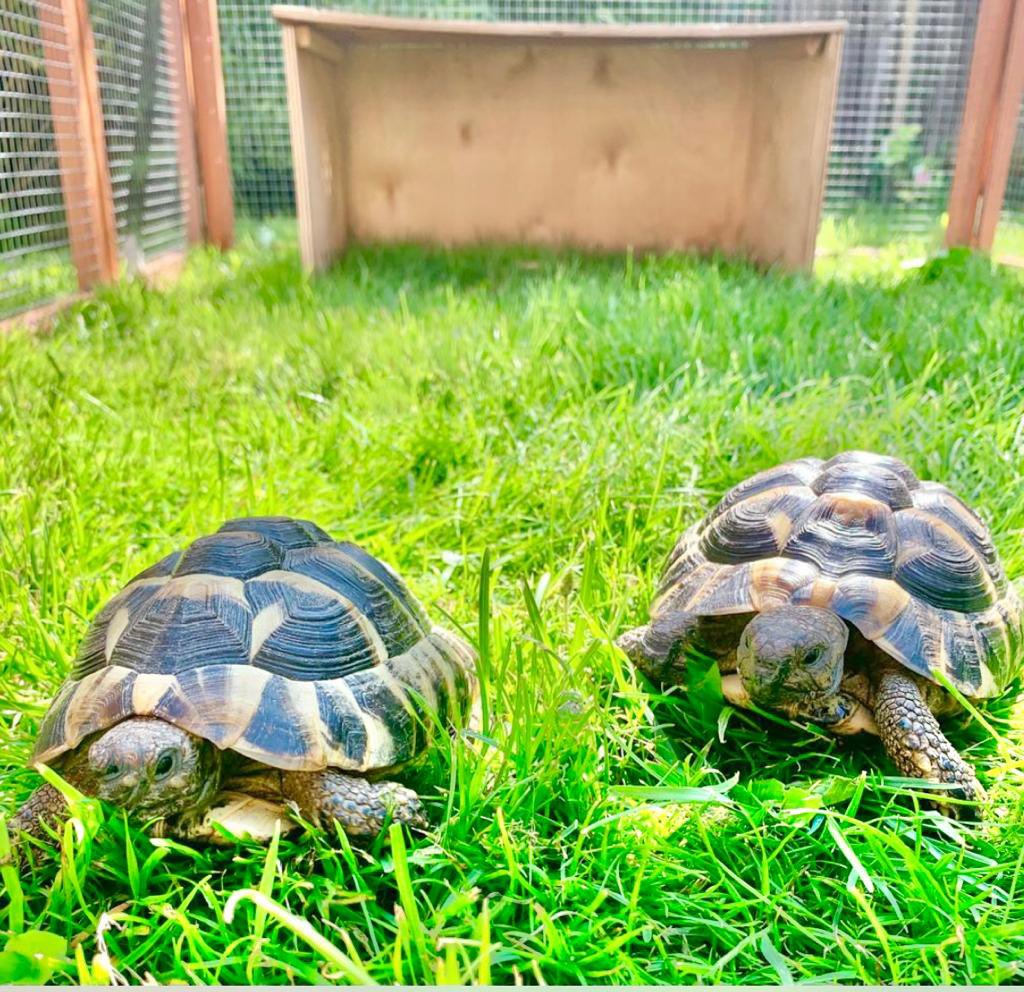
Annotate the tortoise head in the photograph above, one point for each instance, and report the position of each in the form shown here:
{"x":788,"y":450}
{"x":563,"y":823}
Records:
{"x":147,"y":766}
{"x":791,"y":659}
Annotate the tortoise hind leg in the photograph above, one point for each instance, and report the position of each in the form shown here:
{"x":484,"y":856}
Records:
{"x":912,"y":737}
{"x":361,"y":807}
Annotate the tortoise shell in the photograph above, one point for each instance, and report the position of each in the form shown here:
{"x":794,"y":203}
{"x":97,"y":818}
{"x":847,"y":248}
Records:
{"x":904,"y":561}
{"x":270,"y":639}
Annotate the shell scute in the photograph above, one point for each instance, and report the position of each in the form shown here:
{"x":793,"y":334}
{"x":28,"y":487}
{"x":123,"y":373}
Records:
{"x":186,"y":625}
{"x":340,"y":718}
{"x":800,"y":472}
{"x":96,"y":647}
{"x":288,"y":532}
{"x":308,"y":633}
{"x":937,"y":564}
{"x":238,"y":554}
{"x":845,"y":534}
{"x":284,"y":730}
{"x":879,"y":483}
{"x":399,"y":619}
{"x":869,"y":459}
{"x":937,"y":501}
{"x":756,"y":527}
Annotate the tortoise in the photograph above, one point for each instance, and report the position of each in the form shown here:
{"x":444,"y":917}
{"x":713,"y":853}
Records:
{"x":845,"y":592}
{"x":264,"y":664}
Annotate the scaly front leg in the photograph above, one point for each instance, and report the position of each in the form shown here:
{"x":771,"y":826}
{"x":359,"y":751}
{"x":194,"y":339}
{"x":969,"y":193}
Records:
{"x":46,"y":807}
{"x":913,"y":739}
{"x":360,"y":806}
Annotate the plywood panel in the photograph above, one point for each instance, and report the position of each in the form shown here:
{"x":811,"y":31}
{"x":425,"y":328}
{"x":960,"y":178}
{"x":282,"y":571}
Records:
{"x":793,"y":97}
{"x":459,"y":134}
{"x":346,"y":25}
{"x":318,"y":124}
{"x":542,"y":145}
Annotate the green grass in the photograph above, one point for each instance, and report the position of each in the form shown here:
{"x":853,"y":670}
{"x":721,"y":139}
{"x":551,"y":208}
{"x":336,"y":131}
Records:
{"x":523,"y":436}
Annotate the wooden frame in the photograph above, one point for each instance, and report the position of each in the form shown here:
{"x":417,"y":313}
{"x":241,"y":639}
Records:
{"x":989,"y":125}
{"x":188,"y":166}
{"x":656,"y":137}
{"x":190,"y":27}
{"x":81,"y":145}
{"x":210,"y":116}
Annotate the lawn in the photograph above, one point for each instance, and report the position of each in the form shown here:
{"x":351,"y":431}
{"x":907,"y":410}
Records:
{"x":523,"y":435}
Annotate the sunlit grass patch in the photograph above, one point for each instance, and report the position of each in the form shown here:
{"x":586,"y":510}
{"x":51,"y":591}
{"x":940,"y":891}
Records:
{"x":523,"y":435}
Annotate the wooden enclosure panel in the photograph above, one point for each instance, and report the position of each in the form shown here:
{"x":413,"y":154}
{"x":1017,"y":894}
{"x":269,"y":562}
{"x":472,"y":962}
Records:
{"x":346,"y":25}
{"x":210,"y":116}
{"x":600,"y":137}
{"x":794,"y":97}
{"x":70,"y":59}
{"x":188,"y":167}
{"x":536,"y":144}
{"x":318,"y":125}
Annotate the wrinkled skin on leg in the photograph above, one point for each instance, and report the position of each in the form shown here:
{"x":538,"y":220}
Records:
{"x":791,"y":661}
{"x":360,"y":806}
{"x":912,"y":737}
{"x":143,"y":765}
{"x":255,"y":801}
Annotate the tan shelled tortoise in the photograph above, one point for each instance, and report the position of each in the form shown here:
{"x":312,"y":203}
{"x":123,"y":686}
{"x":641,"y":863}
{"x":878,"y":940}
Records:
{"x":263,"y":665}
{"x":842,"y":592}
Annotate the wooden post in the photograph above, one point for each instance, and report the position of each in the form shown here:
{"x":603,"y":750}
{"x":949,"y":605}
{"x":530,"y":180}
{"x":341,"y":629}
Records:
{"x":987,"y":130}
{"x":188,"y":168}
{"x":1004,"y":133}
{"x":210,"y":115}
{"x":316,"y":146}
{"x":81,"y":145}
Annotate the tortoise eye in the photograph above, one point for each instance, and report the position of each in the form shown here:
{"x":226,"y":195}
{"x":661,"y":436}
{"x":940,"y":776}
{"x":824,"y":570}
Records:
{"x":164,"y":764}
{"x":112,"y":771}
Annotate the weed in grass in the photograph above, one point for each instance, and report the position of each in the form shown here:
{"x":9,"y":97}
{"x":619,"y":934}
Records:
{"x":523,"y":435}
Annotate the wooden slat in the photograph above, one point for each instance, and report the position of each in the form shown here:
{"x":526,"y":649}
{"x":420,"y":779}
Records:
{"x":210,"y":120}
{"x":70,"y":58}
{"x":188,"y":168}
{"x":162,"y":271}
{"x":39,"y":318}
{"x":379,"y":27}
{"x":317,"y":151}
{"x":1004,"y":133}
{"x":972,"y":159}
{"x":313,"y":41}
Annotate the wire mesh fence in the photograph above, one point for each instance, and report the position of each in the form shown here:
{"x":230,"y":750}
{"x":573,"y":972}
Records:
{"x":90,"y":141}
{"x":1013,"y":205}
{"x":901,"y":96}
{"x":901,"y":90}
{"x":138,"y":92}
{"x":35,"y":262}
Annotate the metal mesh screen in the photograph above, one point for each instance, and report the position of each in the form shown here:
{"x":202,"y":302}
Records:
{"x":35,"y":264}
{"x":138,"y":94}
{"x":1013,"y":205}
{"x":901,"y":91}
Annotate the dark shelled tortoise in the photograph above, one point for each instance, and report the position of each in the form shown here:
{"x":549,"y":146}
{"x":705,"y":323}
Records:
{"x":264,"y":664}
{"x":842,"y":592}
